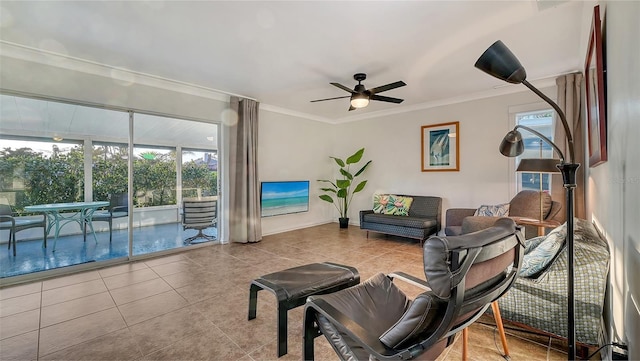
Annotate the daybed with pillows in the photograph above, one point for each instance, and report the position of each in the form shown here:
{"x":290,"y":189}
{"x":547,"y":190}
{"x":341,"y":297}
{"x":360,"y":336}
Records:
{"x":408,"y":216}
{"x":538,"y":299}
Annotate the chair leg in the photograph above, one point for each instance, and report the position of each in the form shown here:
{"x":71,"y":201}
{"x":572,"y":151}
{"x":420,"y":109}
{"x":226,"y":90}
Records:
{"x":282,"y":329}
{"x":14,"y":244}
{"x":465,"y":343}
{"x":498,"y":318}
{"x":253,"y":301}
{"x":110,"y":229}
{"x":309,"y":333}
{"x":44,"y":236}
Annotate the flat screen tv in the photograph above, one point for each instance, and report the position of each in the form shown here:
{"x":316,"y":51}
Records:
{"x":287,"y":197}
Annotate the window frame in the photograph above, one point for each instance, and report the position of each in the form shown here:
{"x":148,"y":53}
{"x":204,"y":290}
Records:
{"x":515,"y":112}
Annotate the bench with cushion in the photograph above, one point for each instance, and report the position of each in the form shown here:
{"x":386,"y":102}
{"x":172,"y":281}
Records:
{"x":408,"y":216}
{"x":292,"y":286}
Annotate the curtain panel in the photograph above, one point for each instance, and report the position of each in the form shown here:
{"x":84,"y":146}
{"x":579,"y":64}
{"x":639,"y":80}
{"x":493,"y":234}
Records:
{"x":570,"y":100}
{"x":244,"y":192}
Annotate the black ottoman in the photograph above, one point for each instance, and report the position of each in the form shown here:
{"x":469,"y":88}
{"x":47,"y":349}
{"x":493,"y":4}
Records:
{"x":292,"y":286}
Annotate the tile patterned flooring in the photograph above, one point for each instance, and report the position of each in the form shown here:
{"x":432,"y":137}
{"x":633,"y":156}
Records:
{"x":193,"y":305}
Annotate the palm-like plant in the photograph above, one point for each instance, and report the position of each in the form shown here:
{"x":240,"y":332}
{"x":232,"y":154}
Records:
{"x":341,"y":188}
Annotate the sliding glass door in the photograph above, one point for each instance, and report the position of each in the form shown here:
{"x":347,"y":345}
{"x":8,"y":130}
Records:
{"x":109,"y":182}
{"x":173,"y":159}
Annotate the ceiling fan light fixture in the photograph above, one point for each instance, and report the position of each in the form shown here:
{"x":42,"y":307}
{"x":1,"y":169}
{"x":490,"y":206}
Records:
{"x":359,"y":101}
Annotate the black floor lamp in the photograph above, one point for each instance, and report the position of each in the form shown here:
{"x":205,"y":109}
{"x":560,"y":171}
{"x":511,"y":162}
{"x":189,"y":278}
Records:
{"x":499,"y":61}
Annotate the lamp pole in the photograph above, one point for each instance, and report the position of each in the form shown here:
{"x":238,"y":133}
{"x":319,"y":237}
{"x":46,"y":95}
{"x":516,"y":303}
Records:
{"x":569,"y":171}
{"x":499,"y":61}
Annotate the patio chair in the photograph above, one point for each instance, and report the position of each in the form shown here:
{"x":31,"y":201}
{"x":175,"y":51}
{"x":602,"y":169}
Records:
{"x":199,"y":215}
{"x":118,"y":208}
{"x":376,"y":320}
{"x":15,"y":225}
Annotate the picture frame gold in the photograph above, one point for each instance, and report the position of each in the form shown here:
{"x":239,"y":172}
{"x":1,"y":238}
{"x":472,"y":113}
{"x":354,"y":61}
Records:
{"x":594,"y":74}
{"x":440,"y":144}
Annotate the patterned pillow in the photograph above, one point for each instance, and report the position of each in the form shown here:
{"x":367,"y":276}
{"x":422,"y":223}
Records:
{"x":398,"y":205}
{"x":541,"y":251}
{"x":380,"y":202}
{"x":499,"y":210}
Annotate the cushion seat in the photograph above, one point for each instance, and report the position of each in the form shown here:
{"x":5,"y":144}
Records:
{"x":404,"y":221}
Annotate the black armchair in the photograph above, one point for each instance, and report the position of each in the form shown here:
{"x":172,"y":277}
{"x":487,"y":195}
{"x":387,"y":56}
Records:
{"x":15,"y":225}
{"x":376,"y":320}
{"x":118,"y":208}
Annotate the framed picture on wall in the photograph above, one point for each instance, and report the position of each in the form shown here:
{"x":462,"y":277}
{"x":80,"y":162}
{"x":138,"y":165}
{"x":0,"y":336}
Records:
{"x":441,"y":147}
{"x":594,"y":74}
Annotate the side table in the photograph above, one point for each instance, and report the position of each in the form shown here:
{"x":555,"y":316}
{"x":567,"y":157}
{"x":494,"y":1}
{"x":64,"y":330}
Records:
{"x":542,"y":225}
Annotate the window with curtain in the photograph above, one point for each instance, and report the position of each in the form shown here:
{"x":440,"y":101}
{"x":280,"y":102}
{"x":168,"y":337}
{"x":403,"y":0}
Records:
{"x":541,"y":121}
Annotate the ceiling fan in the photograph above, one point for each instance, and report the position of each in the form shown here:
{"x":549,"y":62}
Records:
{"x":360,"y":96}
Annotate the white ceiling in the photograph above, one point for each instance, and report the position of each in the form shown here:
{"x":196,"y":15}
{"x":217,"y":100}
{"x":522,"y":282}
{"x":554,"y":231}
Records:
{"x":285,"y":53}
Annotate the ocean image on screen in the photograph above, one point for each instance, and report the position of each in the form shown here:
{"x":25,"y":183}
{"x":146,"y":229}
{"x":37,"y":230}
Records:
{"x":284,"y":198}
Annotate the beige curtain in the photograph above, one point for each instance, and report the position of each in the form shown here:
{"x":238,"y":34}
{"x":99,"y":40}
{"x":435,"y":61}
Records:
{"x":244,"y":193}
{"x":570,"y":101}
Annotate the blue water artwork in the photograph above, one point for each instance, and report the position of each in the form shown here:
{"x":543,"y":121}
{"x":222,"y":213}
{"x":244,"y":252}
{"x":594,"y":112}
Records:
{"x":278,"y":198}
{"x":439,"y":147}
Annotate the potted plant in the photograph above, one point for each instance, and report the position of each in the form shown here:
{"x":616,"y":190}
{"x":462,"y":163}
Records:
{"x":342,"y":189}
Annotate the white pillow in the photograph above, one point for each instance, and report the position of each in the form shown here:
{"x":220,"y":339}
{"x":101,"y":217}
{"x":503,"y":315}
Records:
{"x":499,"y":210}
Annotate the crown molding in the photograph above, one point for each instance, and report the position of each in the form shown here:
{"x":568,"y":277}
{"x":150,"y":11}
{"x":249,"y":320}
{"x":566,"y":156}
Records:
{"x":294,"y":113}
{"x":122,"y":75}
{"x":126,"y":76}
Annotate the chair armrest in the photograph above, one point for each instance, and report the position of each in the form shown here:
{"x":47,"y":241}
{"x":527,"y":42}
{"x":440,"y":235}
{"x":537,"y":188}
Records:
{"x":455,"y":216}
{"x":8,"y":219}
{"x":477,"y":223}
{"x":409,"y":279}
{"x":362,"y":213}
{"x":120,"y":209}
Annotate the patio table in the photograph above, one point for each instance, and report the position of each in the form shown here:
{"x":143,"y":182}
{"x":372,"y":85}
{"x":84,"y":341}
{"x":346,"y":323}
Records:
{"x":61,"y":214}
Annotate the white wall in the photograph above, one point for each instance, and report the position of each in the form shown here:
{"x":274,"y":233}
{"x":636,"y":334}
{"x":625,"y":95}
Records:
{"x":291,"y":148}
{"x":614,"y":187}
{"x":394,"y":145}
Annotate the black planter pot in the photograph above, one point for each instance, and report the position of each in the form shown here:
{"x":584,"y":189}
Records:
{"x":344,"y":222}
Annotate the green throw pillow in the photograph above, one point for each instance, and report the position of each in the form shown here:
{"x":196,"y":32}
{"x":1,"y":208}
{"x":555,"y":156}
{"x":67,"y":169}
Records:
{"x":380,"y":202}
{"x":398,"y":205}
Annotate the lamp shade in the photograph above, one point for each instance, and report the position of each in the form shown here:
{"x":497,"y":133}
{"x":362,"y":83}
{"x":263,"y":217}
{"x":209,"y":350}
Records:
{"x":538,"y":165}
{"x":359,"y":100}
{"x":499,"y":61}
{"x":512,"y":144}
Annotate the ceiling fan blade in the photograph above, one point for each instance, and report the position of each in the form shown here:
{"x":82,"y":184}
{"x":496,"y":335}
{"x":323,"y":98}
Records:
{"x":351,"y":107}
{"x":321,"y":100}
{"x":342,"y":87}
{"x":384,"y":88}
{"x":386,"y":99}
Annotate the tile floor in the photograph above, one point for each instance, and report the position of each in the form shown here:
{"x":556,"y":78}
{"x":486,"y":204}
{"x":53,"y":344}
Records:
{"x":193,"y":305}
